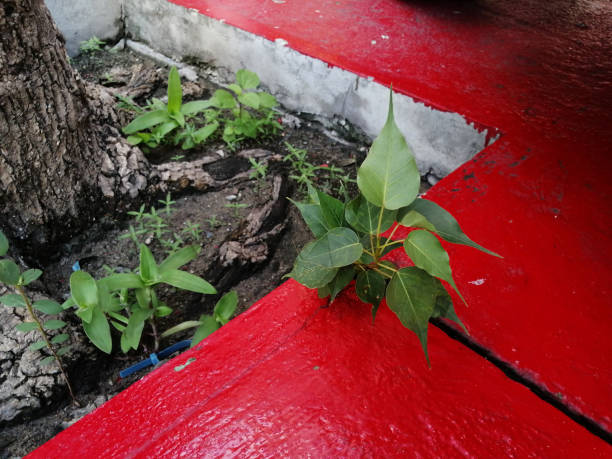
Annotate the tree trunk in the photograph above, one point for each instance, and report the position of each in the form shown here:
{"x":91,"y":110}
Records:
{"x":61,"y":161}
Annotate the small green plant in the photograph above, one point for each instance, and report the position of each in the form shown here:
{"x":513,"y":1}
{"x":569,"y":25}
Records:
{"x":349,"y":243}
{"x":154,"y":126}
{"x":92,"y":45}
{"x":11,"y":275}
{"x":128,"y":301}
{"x":236,"y":206}
{"x":304,"y":173}
{"x":207,"y":323}
{"x":213,"y":222}
{"x":259,"y":172}
{"x":127,"y":103}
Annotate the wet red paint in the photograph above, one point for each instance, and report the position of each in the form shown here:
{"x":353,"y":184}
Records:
{"x":291,"y":379}
{"x":288,"y":378}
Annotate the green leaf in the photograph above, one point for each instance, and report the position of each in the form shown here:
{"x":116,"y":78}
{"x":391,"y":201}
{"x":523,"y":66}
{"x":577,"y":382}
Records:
{"x":26,"y":326}
{"x":106,"y":301}
{"x":180,"y":327}
{"x":163,"y":311}
{"x":118,"y":317}
{"x":444,"y":223}
{"x":68,"y":303}
{"x":83,"y":289}
{"x":143,"y":297}
{"x":134,"y":139}
{"x":225,"y":307}
{"x":223,"y":99}
{"x":364,"y":216}
{"x":208,"y":325}
{"x":204,"y":133}
{"x":313,"y":216}
{"x":12,"y":300}
{"x":389,"y":176}
{"x":54,"y":324}
{"x":179,"y":258}
{"x":121,"y":281}
{"x":186,"y":281}
{"x":47,"y":360}
{"x":135,"y":325}
{"x":175,"y":92}
{"x":98,"y":331}
{"x":338,"y":247}
{"x":413,"y":219}
{"x":178,"y":119}
{"x":250,"y":99}
{"x":267,"y":100}
{"x":166,"y":128}
{"x":146,"y":121}
{"x":308,"y":271}
{"x":235,"y":87}
{"x":63,"y":350}
{"x":324,"y":292}
{"x":48,"y":306}
{"x":427,"y":253}
{"x":4,"y":245}
{"x":30,"y":276}
{"x":331,"y":209}
{"x":444,"y":307}
{"x":370,"y":287}
{"x":344,"y":276}
{"x":85,"y":314}
{"x":411,"y":295}
{"x":59,"y":339}
{"x":247,"y":79}
{"x":148,"y":267}
{"x":374,"y":311}
{"x":9,"y":272}
{"x":37,"y":346}
{"x":195,"y":106}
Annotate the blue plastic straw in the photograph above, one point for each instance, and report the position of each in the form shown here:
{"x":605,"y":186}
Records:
{"x":154,"y":358}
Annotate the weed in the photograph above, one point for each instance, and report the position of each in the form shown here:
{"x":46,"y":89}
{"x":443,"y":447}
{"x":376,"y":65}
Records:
{"x":236,"y":206}
{"x":350,"y":244}
{"x":213,"y":222}
{"x":94,"y":44}
{"x":11,"y":275}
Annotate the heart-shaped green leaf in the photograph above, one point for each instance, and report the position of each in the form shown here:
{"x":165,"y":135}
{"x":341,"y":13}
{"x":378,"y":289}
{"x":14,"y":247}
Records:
{"x":310,"y":272}
{"x":98,"y":331}
{"x":444,"y":307}
{"x":12,"y":300}
{"x":427,"y":253}
{"x":313,"y":216}
{"x":250,"y":99}
{"x":186,"y":281}
{"x":48,"y":306}
{"x":443,"y":223}
{"x":366,"y":217}
{"x":83,"y":289}
{"x":370,"y":287}
{"x":175,"y":92}
{"x":247,"y":79}
{"x":389,"y":176}
{"x":9,"y":272}
{"x":332,"y":210}
{"x":412,"y":294}
{"x":338,"y":247}
{"x":223,"y":99}
{"x":267,"y":100}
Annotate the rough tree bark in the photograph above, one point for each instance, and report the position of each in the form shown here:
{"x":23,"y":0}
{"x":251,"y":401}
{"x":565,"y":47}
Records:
{"x":61,"y":161}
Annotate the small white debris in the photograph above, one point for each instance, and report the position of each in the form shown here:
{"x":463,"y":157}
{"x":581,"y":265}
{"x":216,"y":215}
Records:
{"x":373,"y":42}
{"x":281,"y":42}
{"x":221,"y":153}
{"x":477,"y":282}
{"x":231,"y":197}
{"x":279,"y":1}
{"x":384,"y":37}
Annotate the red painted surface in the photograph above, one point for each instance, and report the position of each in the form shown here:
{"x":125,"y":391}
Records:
{"x":541,"y":72}
{"x":290,"y":379}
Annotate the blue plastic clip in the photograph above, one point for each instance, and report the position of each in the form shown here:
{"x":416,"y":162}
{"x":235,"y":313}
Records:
{"x":76,"y":266}
{"x":154,"y":358}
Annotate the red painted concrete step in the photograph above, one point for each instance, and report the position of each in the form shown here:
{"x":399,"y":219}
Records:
{"x":541,"y":73}
{"x":289,"y":378}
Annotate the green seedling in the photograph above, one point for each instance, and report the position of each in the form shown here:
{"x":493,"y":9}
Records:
{"x":94,"y":44}
{"x":208,"y":323}
{"x":127,"y":103}
{"x":192,"y":230}
{"x":349,"y":243}
{"x":128,"y":301}
{"x":213,"y":222}
{"x":236,"y":206}
{"x":177,"y":157}
{"x":56,"y":346}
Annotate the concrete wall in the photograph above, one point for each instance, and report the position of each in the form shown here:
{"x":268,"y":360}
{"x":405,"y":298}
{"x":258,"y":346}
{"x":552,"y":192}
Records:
{"x":79,"y":20}
{"x":441,"y":141}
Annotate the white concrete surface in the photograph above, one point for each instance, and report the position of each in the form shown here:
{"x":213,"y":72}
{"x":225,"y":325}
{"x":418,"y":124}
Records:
{"x":441,"y":141}
{"x":79,"y":20}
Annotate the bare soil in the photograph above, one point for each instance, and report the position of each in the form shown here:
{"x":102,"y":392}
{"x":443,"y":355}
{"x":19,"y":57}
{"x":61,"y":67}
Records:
{"x":282,"y":234}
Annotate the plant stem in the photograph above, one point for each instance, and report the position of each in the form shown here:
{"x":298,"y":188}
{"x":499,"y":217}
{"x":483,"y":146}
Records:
{"x":47,"y":342}
{"x":155,"y":336}
{"x":381,"y":265}
{"x":382,"y":273}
